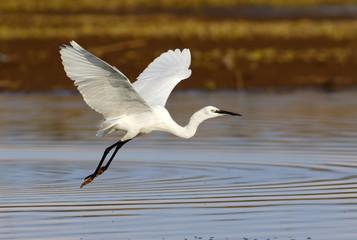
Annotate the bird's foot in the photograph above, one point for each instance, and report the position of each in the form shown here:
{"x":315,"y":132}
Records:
{"x":90,"y":178}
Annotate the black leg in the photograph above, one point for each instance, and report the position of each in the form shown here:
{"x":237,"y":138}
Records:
{"x":99,"y":170}
{"x":113,"y":155}
{"x":106,"y":151}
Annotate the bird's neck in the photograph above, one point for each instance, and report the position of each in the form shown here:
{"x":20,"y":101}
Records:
{"x":190,"y":129}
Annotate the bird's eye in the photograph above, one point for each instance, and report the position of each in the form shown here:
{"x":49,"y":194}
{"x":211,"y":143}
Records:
{"x":213,"y":111}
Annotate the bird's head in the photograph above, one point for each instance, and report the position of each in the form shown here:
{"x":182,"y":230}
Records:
{"x":216,"y":112}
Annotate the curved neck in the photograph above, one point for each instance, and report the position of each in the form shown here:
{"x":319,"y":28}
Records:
{"x":190,"y":129}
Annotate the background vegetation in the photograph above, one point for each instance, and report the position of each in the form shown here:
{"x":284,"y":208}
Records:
{"x":235,"y":44}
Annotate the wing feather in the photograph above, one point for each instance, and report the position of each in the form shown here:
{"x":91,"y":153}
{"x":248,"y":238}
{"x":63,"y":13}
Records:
{"x":157,"y":81}
{"x":103,"y":87}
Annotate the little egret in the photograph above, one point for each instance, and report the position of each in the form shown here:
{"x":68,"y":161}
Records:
{"x":137,"y":108}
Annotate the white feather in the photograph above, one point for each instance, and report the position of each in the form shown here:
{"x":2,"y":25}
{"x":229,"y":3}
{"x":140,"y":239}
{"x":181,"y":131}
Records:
{"x":103,"y":87}
{"x":157,"y":81}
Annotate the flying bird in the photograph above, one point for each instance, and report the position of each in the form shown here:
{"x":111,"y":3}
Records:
{"x":134,"y":108}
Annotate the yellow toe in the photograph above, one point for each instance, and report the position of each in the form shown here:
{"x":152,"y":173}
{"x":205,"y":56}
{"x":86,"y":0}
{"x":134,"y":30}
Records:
{"x":87,"y":181}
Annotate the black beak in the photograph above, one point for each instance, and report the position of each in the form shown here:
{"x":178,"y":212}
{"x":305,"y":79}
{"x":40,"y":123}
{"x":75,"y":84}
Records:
{"x":228,"y":113}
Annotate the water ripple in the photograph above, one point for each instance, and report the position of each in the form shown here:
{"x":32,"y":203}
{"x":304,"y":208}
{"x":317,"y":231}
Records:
{"x":288,"y":172}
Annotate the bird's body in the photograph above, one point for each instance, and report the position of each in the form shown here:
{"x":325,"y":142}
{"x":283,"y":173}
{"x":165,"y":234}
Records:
{"x":137,"y":108}
{"x":158,"y":119}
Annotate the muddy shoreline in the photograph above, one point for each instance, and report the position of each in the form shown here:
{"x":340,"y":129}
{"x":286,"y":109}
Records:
{"x":34,"y":65}
{"x":234,"y":48}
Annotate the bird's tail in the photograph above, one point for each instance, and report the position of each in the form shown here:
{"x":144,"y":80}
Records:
{"x":106,"y":126}
{"x":104,"y":132}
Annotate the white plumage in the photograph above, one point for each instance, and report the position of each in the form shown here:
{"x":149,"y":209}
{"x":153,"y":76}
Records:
{"x":103,"y":87}
{"x":137,"y":108}
{"x":157,"y":81}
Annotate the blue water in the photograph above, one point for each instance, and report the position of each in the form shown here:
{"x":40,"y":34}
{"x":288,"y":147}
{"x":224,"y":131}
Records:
{"x":287,"y":169}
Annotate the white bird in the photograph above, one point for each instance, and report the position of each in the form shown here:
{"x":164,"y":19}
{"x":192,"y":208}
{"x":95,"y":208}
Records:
{"x":137,"y":108}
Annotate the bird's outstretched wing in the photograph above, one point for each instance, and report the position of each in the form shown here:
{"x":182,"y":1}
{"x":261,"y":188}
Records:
{"x":103,"y":87}
{"x":162,"y":75}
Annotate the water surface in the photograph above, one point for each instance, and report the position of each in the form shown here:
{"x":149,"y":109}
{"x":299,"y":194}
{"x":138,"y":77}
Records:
{"x":287,"y":169}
